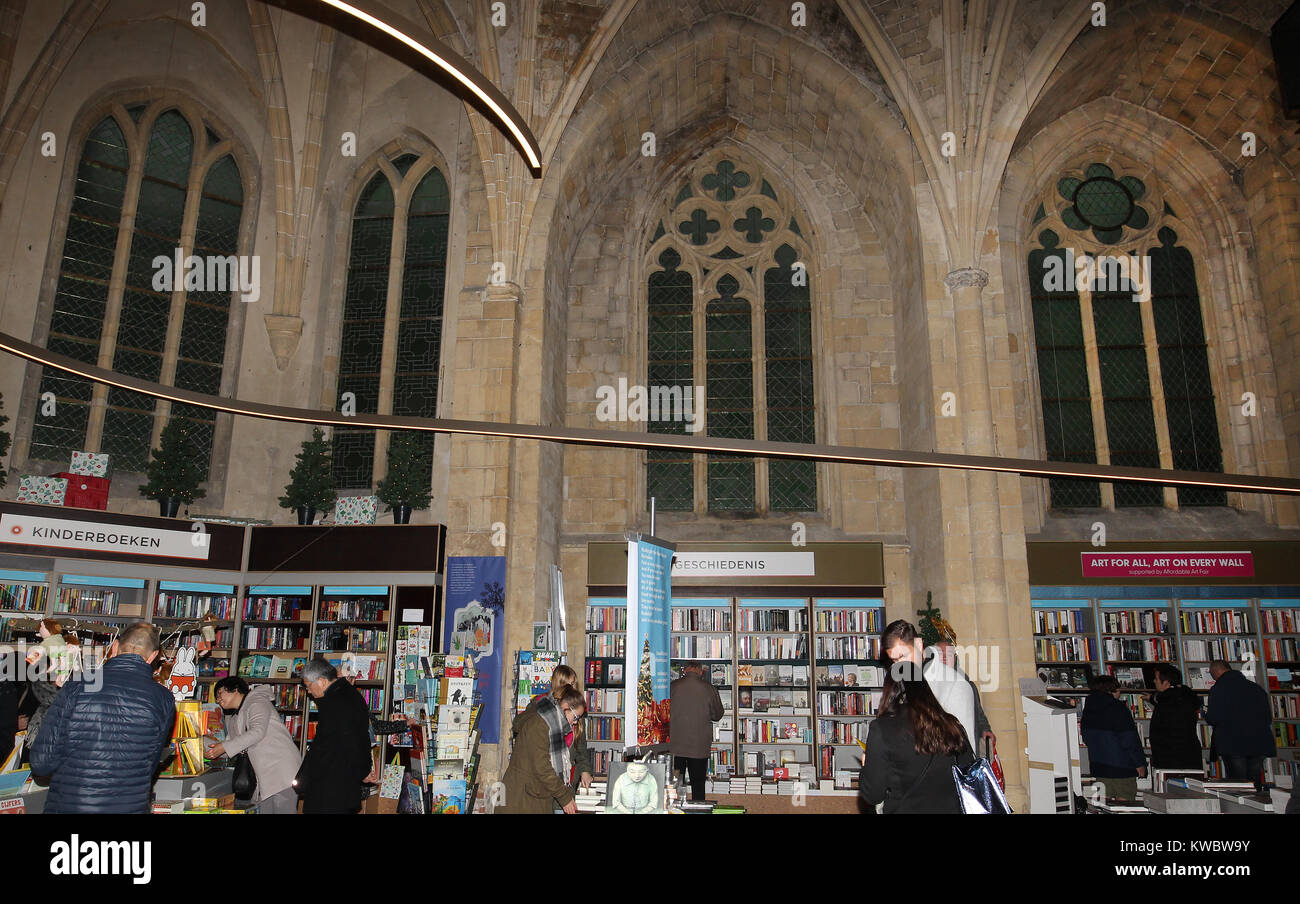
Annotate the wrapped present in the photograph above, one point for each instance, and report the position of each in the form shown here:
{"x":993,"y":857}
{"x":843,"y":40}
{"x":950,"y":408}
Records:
{"x":356,"y":509}
{"x":85,"y":492}
{"x":89,"y":464}
{"x":45,"y":490}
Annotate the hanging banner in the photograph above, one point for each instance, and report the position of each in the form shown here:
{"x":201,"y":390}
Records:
{"x":473,"y":624}
{"x":649,"y":630}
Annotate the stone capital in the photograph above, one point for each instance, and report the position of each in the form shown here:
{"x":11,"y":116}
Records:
{"x":506,"y":291}
{"x":965,"y":277}
{"x":284,"y":331}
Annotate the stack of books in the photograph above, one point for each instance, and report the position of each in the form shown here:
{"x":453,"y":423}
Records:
{"x":591,"y":800}
{"x":753,"y":785}
{"x":737,"y":785}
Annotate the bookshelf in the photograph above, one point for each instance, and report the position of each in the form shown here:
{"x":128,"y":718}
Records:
{"x":24,"y":593}
{"x":1135,"y":636}
{"x":1065,"y":643}
{"x":848,"y":678}
{"x":182,"y":606}
{"x":276,"y":621}
{"x":702,"y":631}
{"x":1279,"y":628}
{"x":772,"y":663}
{"x":1210,"y":629}
{"x":606,"y":639}
{"x":351,"y":629}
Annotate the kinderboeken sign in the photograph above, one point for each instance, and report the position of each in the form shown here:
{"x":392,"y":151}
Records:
{"x":91,"y":536}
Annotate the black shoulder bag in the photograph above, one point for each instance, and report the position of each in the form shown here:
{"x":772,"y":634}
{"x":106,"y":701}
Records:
{"x":245,"y":780}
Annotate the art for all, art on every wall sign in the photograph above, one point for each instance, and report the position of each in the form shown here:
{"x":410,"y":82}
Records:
{"x":1168,"y":564}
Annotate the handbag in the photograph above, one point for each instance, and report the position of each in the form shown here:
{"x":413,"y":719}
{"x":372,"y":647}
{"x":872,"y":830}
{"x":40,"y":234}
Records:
{"x":245,"y":781}
{"x":978,"y":789}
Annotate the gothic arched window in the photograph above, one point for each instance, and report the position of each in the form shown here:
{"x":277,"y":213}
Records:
{"x":392,"y":311}
{"x":117,"y":303}
{"x":1123,"y":364}
{"x":729,"y":322}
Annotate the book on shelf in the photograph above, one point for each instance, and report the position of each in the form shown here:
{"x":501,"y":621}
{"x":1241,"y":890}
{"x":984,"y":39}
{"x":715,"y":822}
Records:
{"x":1065,"y":677}
{"x":1135,"y":621}
{"x":762,"y":700}
{"x":1280,"y":679}
{"x":1129,"y":677}
{"x":1232,"y":649}
{"x":720,"y":674}
{"x":1135,"y":649}
{"x":1065,"y":649}
{"x":1199,"y":678}
{"x":1060,"y":621}
{"x":615,"y":672}
{"x":1281,"y":649}
{"x":1213,"y":621}
{"x":1279,"y":621}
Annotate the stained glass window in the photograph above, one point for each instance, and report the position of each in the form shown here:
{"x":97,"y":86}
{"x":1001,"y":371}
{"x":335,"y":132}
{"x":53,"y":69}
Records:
{"x":727,"y":200}
{"x":417,"y":344}
{"x":138,"y":345}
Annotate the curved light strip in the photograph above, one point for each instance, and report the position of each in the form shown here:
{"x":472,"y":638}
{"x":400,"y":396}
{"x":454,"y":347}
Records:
{"x":583,"y":436}
{"x":451,"y":63}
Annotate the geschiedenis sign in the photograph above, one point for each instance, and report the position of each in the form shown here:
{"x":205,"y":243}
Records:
{"x":100,"y":537}
{"x":743,"y":564}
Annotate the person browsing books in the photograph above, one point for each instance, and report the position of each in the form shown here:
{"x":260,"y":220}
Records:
{"x":1174,"y":744}
{"x":541,"y":765}
{"x":695,"y":706}
{"x":257,"y":729}
{"x":565,"y":677}
{"x":1238,"y":709}
{"x":338,"y":758}
{"x":983,"y":730}
{"x":950,"y":687}
{"x":911,"y":748}
{"x":1114,"y":746}
{"x":104,"y":736}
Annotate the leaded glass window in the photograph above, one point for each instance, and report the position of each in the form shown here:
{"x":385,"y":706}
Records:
{"x":408,"y":385}
{"x":729,"y":309}
{"x":1115,"y":317}
{"x":170,"y":332}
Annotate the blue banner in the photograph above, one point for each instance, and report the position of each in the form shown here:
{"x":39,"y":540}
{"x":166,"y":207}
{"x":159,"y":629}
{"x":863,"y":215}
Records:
{"x":474,"y":624}
{"x":649,"y":625}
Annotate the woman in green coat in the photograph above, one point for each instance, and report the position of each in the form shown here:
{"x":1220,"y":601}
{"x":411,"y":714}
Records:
{"x":541,"y":765}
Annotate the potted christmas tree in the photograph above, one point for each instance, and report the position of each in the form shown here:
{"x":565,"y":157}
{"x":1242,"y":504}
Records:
{"x":311,"y":482}
{"x":173,"y":475}
{"x":406,"y":485}
{"x":4,"y":442}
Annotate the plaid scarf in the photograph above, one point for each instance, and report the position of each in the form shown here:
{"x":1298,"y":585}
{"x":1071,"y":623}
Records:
{"x":559,"y":729}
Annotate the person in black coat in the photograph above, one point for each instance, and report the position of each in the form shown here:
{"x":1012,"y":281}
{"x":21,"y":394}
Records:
{"x":338,"y":757}
{"x":1174,"y":743}
{"x":911,"y":748}
{"x":8,"y":716}
{"x":1114,"y":747}
{"x":103,"y":738}
{"x":1243,"y":724}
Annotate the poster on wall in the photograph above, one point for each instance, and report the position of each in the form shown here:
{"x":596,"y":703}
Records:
{"x":473,"y":622}
{"x":649,"y":626}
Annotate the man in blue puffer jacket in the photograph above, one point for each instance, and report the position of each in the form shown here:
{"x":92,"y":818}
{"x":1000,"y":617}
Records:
{"x":103,"y":737}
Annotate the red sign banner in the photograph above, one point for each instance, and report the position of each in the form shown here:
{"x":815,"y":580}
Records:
{"x":1168,"y":564}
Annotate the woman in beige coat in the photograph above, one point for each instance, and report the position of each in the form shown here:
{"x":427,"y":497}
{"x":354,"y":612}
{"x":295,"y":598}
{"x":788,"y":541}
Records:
{"x":257,"y":729}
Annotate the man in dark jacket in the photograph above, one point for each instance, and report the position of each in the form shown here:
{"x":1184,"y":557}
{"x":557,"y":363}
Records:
{"x":1174,"y":744}
{"x":1243,"y":725}
{"x":8,"y":713}
{"x":1114,"y":747}
{"x":695,"y":706}
{"x":105,"y":732}
{"x":338,"y":757}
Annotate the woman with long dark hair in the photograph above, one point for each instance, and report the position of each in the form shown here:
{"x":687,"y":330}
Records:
{"x":911,"y":748}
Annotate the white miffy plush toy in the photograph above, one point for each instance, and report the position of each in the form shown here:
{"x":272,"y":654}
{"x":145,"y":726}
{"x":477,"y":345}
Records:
{"x":184,"y":675}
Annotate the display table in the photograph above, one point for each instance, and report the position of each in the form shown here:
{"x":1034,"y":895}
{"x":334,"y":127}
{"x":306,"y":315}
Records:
{"x":216,"y":782}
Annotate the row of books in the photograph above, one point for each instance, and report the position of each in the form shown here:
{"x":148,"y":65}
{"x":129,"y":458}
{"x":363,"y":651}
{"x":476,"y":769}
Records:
{"x":614,"y":645}
{"x":214,"y":667}
{"x":274,"y":608}
{"x":261,"y":665}
{"x":222,"y":638}
{"x":762,"y":699}
{"x":768,"y":731}
{"x":1070,"y":677}
{"x":1280,"y":679}
{"x":1138,"y":704}
{"x":1135,"y":621}
{"x":848,"y":621}
{"x":1279,"y":621}
{"x":290,"y":696}
{"x":24,"y":597}
{"x":1281,"y":649}
{"x":607,"y":618}
{"x":1060,"y":621}
{"x":293,"y":722}
{"x":793,"y":646}
{"x":1230,"y":648}
{"x":841,"y":731}
{"x":1213,"y":621}
{"x":374,"y":697}
{"x":1287,"y":734}
{"x":268,"y":638}
{"x":195,"y":605}
{"x":75,"y":600}
{"x":772,"y":674}
{"x":723,"y":759}
{"x":1285,"y":706}
{"x":702,"y":618}
{"x":603,"y":673}
{"x":367,"y":667}
{"x":604,"y":701}
{"x":795,"y":620}
{"x":604,"y":728}
{"x":1133,"y":649}
{"x":848,"y":647}
{"x":370,"y":610}
{"x":1079,"y":648}
{"x":850,"y":675}
{"x":849,"y":703}
{"x":361,"y":640}
{"x":699,"y":646}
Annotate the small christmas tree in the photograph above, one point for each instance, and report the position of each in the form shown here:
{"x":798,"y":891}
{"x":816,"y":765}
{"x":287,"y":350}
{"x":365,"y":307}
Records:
{"x":4,"y":441}
{"x":172,"y":471}
{"x":407,"y":481}
{"x":934,"y":627}
{"x":311,"y":482}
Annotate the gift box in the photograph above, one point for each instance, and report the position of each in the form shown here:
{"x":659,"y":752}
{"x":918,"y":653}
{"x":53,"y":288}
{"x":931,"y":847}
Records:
{"x":356,"y":509}
{"x":89,"y":464}
{"x":45,"y":490}
{"x":85,"y":492}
